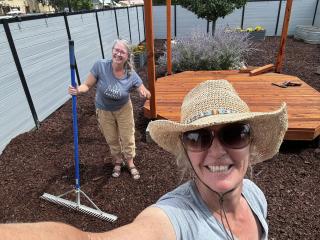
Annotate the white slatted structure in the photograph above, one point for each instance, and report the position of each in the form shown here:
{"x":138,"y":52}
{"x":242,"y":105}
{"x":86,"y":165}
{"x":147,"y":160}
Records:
{"x":108,"y":31}
{"x":42,"y":47}
{"x":15,"y":114}
{"x":263,"y":13}
{"x":84,"y":32}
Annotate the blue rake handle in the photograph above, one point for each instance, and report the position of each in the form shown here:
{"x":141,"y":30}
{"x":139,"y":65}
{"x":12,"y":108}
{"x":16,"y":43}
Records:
{"x":74,"y":115}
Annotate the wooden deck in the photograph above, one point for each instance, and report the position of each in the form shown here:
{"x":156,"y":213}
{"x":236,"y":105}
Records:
{"x":257,"y":91}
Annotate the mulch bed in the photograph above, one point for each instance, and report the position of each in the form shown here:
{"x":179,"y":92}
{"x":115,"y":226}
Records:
{"x":42,"y":161}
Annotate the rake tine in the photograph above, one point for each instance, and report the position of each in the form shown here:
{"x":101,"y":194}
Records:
{"x":79,"y":207}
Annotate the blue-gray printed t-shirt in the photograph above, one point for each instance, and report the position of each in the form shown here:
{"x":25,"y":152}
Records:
{"x":191,"y":218}
{"x":112,"y":93}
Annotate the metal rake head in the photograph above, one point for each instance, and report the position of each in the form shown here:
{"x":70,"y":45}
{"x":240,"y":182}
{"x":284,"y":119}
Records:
{"x":79,"y":207}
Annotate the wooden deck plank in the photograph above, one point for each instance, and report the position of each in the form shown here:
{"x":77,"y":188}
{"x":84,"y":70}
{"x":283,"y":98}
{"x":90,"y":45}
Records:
{"x":303,"y":102}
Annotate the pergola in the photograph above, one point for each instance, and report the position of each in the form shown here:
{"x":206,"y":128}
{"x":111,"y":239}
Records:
{"x":254,"y":87}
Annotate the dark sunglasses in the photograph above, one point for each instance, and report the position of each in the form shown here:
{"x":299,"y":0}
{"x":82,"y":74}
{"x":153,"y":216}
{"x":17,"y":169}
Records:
{"x":235,"y":136}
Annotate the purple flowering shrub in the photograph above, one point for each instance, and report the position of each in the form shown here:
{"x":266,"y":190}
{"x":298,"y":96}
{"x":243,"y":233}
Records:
{"x":227,"y":49}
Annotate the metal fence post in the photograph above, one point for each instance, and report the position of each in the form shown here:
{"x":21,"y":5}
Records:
{"x":278,"y":17}
{"x":116,"y":19}
{"x":98,"y":25}
{"x":138,"y":23}
{"x":69,"y":37}
{"x":129,"y":24}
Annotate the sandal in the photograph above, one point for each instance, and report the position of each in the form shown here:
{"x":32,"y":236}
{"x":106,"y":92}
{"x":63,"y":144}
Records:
{"x":116,"y":169}
{"x":134,"y":172}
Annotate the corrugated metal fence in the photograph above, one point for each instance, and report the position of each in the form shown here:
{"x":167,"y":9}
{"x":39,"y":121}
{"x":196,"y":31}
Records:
{"x":34,"y":59}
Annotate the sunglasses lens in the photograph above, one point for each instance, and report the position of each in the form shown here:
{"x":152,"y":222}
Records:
{"x":198,"y":140}
{"x":235,"y":136}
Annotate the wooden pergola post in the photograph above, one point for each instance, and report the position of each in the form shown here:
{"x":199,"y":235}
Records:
{"x":169,"y":63}
{"x":284,"y":33}
{"x":150,"y":58}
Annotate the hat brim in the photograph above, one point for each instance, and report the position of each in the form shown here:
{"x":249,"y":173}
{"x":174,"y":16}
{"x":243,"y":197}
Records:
{"x":268,"y":130}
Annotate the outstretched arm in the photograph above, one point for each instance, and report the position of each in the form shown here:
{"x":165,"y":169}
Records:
{"x":84,"y":87}
{"x":151,"y":224}
{"x":41,"y":231}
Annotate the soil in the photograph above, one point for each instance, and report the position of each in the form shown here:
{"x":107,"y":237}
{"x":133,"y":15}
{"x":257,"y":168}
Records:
{"x":42,"y":161}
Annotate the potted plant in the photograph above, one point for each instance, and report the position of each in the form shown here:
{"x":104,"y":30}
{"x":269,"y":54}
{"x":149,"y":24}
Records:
{"x":140,"y":55}
{"x":257,"y":33}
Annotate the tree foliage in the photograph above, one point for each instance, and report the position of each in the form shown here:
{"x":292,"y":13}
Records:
{"x":211,"y":9}
{"x":75,"y":5}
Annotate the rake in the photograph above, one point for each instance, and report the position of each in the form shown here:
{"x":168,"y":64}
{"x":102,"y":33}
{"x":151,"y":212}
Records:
{"x":96,"y":212}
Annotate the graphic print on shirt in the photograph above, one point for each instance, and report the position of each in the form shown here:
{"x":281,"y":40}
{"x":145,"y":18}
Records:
{"x":113,"y":92}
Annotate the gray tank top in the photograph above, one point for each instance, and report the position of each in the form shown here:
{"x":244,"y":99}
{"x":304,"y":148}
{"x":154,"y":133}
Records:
{"x":191,"y":218}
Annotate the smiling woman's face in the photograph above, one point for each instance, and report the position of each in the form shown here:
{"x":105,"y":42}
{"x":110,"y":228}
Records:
{"x":119,"y":53}
{"x":220,"y":167}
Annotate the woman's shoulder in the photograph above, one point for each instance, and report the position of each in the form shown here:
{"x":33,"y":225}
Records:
{"x":178,"y":194}
{"x":254,"y":195}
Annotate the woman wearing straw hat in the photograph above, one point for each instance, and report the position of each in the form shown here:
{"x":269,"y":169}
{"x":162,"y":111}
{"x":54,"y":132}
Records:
{"x":217,"y":139}
{"x":115,"y":79}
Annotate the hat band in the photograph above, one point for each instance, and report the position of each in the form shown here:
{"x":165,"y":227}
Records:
{"x":210,"y":113}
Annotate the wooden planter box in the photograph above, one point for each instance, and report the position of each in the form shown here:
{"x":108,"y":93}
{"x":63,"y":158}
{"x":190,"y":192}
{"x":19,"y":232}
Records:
{"x":257,"y":36}
{"x":140,"y":59}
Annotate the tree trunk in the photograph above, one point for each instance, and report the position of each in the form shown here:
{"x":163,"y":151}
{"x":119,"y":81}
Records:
{"x":213,"y":27}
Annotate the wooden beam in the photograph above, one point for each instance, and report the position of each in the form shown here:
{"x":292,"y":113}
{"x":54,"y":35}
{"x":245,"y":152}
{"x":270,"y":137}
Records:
{"x":284,"y":33}
{"x":169,"y":63}
{"x":150,"y":54}
{"x":259,"y":70}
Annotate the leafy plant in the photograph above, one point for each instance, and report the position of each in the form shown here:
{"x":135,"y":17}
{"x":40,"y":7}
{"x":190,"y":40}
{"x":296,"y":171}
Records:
{"x":211,"y":9}
{"x":201,"y":51}
{"x":138,"y":49}
{"x":251,"y":29}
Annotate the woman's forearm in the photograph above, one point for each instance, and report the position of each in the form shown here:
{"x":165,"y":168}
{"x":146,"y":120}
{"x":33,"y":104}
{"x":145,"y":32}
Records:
{"x":41,"y":231}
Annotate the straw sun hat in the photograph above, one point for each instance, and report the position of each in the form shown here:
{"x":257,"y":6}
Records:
{"x":215,"y":102}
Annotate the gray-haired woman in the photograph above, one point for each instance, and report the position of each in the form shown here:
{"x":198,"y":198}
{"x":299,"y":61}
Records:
{"x":115,"y":79}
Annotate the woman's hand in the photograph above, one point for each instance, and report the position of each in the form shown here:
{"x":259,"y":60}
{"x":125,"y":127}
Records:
{"x":144,"y":92}
{"x":73,"y":90}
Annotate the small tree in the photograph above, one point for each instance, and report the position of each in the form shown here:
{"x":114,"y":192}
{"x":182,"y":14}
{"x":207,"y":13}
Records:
{"x":211,"y":9}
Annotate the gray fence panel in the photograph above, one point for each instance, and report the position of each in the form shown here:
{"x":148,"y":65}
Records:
{"x":263,"y":14}
{"x":84,"y":32}
{"x":188,"y":22}
{"x":141,"y":23}
{"x":232,"y":20}
{"x":15,"y":114}
{"x":123,"y":25}
{"x":42,"y":47}
{"x":160,"y":22}
{"x":134,"y":26}
{"x":108,"y":31}
{"x":302,"y":12}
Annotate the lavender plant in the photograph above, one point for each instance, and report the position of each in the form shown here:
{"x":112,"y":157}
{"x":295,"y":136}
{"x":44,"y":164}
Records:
{"x":201,"y":51}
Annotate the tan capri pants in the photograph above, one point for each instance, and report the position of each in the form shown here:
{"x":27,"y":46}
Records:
{"x":118,"y":129}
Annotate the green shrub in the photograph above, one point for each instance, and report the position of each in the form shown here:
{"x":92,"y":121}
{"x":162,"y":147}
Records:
{"x":201,"y":51}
